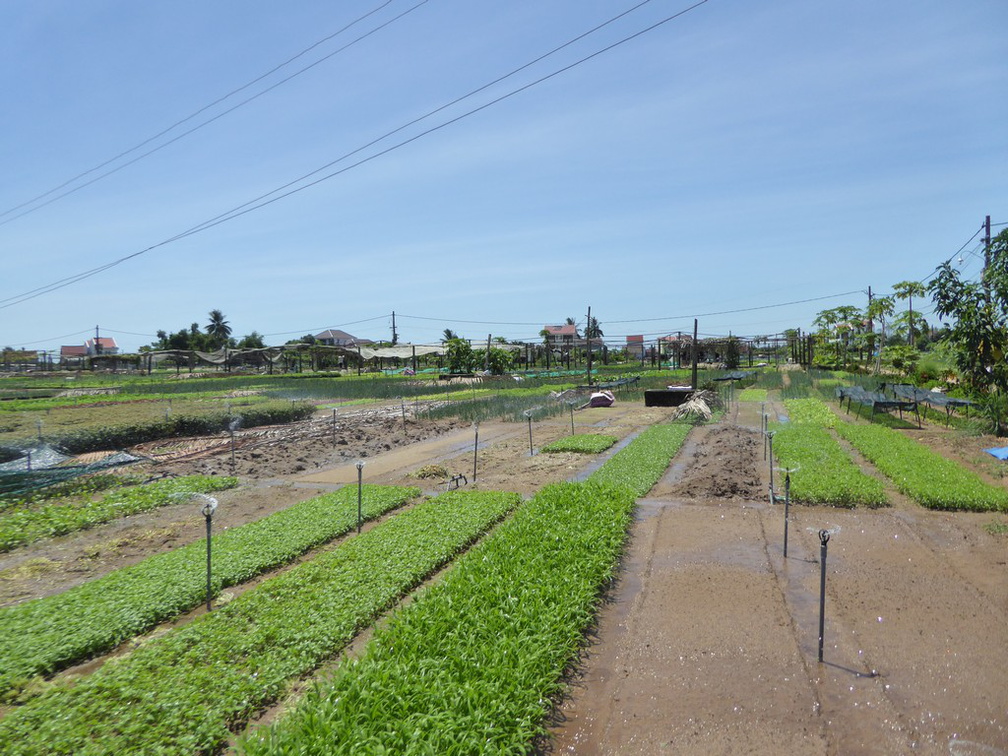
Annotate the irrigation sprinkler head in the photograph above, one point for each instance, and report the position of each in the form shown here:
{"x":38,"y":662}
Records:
{"x":234,"y":424}
{"x":828,"y":531}
{"x":824,"y":536}
{"x":360,"y":465}
{"x":208,"y":503}
{"x":787,"y":470}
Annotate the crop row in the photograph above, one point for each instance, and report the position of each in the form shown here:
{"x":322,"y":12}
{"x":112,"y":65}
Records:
{"x":24,"y":526}
{"x":76,"y":487}
{"x":582,"y":443}
{"x":640,"y":464}
{"x":121,"y":436}
{"x":811,"y":411}
{"x":184,"y":692}
{"x":926,"y":477}
{"x":473,"y":665}
{"x":823,"y":473}
{"x":48,"y":634}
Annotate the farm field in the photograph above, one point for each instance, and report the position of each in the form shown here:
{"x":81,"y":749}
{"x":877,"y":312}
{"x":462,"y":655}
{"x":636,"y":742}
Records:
{"x":706,"y":642}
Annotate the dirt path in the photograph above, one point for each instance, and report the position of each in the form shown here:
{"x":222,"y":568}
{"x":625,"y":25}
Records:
{"x":709,"y":640}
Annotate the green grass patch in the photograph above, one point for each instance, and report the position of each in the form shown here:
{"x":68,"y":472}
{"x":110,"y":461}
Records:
{"x":185,"y":691}
{"x":42,"y":636}
{"x":997,"y":527}
{"x":926,"y":477}
{"x":582,"y":443}
{"x":19,"y":527}
{"x":752,"y":395}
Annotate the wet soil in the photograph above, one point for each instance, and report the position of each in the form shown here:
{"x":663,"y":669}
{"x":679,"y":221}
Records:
{"x":707,"y":641}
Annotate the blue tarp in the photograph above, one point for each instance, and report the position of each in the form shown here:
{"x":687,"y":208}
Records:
{"x":1000,"y":452}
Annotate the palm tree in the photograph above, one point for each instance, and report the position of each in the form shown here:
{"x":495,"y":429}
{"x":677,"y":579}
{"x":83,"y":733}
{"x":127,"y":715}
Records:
{"x":218,"y":329}
{"x":907,"y":290}
{"x":449,"y":334}
{"x":571,"y":321}
{"x":880,"y":309}
{"x":593,"y":330}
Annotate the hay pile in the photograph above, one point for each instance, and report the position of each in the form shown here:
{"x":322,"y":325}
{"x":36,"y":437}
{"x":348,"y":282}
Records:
{"x":699,"y":407}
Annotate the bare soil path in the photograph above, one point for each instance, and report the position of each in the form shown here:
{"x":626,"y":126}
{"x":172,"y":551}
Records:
{"x":708,"y":642}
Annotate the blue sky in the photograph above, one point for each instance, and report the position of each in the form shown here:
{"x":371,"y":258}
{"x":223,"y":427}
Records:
{"x":729,"y":164}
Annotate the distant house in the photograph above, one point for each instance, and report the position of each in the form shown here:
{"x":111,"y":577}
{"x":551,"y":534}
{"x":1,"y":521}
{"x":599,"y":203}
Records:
{"x":560,"y":336}
{"x":102,"y":345}
{"x":72,"y":356}
{"x":335,"y":337}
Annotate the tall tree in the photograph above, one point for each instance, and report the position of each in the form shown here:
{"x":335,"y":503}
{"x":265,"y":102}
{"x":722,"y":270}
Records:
{"x":881,"y":309}
{"x":593,"y":329}
{"x":218,"y":329}
{"x":978,"y":331}
{"x":908,"y":290}
{"x":448,"y":335}
{"x":577,"y":332}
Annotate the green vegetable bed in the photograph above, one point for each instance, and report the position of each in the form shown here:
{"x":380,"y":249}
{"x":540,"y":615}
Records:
{"x":583,"y":443}
{"x":926,"y":477}
{"x":27,"y":525}
{"x":45,"y":635}
{"x":473,"y":664}
{"x":824,"y":473}
{"x":181,"y":693}
{"x":641,"y":463}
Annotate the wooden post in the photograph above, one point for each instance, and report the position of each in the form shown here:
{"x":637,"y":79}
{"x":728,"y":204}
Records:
{"x":693,"y":349}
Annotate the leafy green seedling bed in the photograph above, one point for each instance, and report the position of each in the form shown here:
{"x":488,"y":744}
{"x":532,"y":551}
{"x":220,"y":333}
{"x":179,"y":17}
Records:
{"x":184,"y":692}
{"x":582,"y":443}
{"x":644,"y":460}
{"x":42,"y":636}
{"x":926,"y":477}
{"x":473,"y":664}
{"x":29,"y":524}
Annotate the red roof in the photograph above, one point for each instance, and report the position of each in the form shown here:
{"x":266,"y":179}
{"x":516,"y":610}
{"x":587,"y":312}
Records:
{"x":561,"y":330}
{"x":72,"y":351}
{"x":105,"y":342}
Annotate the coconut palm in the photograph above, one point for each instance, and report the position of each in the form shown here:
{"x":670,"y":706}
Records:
{"x":218,"y":329}
{"x":907,"y":290}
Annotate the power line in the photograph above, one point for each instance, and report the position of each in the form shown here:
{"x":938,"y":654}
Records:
{"x":742,"y":309}
{"x":285,"y":190}
{"x":182,"y":121}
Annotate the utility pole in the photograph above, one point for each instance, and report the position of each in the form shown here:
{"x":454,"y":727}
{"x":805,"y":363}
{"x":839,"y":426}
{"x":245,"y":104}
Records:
{"x":588,"y":332}
{"x":871,"y":329}
{"x":986,"y":285}
{"x":97,"y":341}
{"x":395,"y":336}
